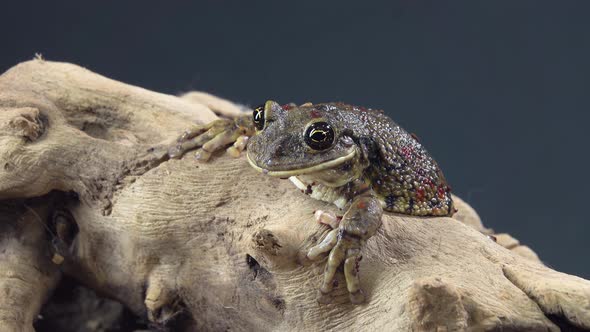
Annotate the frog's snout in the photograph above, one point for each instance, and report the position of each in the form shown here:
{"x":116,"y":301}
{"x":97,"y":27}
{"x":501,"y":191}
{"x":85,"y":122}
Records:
{"x":274,"y":153}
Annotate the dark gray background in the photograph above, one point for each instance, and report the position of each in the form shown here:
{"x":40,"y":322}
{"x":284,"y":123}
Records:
{"x":496,"y":90}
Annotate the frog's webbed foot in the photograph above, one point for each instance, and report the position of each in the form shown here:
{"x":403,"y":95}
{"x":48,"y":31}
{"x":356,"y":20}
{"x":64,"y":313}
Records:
{"x":213,"y":137}
{"x":344,"y":244}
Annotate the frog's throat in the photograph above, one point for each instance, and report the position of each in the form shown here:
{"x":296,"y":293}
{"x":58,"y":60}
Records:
{"x":300,"y":171}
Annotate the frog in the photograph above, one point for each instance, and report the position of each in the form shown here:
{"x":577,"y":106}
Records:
{"x":355,"y":157}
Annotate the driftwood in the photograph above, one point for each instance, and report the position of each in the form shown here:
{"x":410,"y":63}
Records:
{"x":88,"y":192}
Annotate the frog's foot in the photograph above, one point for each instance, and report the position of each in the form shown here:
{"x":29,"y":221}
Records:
{"x":344,"y":244}
{"x":213,"y":137}
{"x":342,"y":248}
{"x":327,"y":218}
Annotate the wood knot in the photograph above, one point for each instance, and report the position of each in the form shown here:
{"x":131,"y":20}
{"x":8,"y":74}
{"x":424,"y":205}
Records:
{"x":26,"y":122}
{"x":266,"y":241}
{"x":432,"y":301}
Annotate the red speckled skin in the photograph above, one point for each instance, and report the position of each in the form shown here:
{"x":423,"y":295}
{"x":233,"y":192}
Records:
{"x":400,"y":168}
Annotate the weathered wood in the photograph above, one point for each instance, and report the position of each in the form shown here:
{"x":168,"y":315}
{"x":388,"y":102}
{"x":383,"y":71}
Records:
{"x":223,"y":245}
{"x":27,"y":275}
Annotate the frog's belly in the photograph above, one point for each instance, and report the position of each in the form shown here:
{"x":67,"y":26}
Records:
{"x":328,"y":194}
{"x":321,"y":192}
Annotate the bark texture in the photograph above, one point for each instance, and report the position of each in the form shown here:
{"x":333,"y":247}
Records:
{"x":216,"y":246}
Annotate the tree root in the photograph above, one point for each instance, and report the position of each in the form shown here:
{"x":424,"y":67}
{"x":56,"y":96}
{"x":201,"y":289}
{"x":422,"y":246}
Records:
{"x":218,"y":244}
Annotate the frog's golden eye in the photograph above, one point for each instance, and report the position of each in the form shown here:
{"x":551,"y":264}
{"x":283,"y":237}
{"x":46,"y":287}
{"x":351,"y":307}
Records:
{"x":258,"y":117}
{"x":319,"y":135}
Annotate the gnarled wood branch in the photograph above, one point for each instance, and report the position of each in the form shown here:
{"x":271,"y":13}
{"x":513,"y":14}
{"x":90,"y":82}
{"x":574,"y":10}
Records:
{"x":218,"y":243}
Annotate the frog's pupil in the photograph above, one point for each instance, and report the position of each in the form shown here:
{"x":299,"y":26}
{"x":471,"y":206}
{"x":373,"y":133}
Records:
{"x":319,"y":135}
{"x":258,"y":117}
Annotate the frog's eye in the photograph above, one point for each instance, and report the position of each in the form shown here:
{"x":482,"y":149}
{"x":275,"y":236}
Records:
{"x":319,"y":135}
{"x":258,"y":117}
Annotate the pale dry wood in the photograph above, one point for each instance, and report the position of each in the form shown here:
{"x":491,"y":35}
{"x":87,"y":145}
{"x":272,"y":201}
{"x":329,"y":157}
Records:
{"x":27,"y":274}
{"x":225,"y":245}
{"x":218,"y":105}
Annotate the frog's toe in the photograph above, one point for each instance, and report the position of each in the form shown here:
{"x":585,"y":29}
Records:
{"x":323,"y":247}
{"x":220,"y":141}
{"x":175,"y":151}
{"x":239,"y":146}
{"x":358,"y":297}
{"x":324,"y":298}
{"x":202,"y":155}
{"x":193,"y":132}
{"x":351,"y":272}
{"x":327,"y":218}
{"x":336,"y":257}
{"x":233,"y":152}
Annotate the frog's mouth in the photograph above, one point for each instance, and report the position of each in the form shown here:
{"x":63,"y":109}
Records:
{"x":311,"y":169}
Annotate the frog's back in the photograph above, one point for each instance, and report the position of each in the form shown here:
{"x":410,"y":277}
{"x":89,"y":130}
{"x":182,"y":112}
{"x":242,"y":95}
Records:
{"x":401,"y":171}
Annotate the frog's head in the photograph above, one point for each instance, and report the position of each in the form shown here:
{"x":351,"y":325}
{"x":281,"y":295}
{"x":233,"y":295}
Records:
{"x":308,"y":139}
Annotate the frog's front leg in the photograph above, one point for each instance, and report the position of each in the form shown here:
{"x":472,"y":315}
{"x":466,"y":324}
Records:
{"x":214,"y":136}
{"x":358,"y":224}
